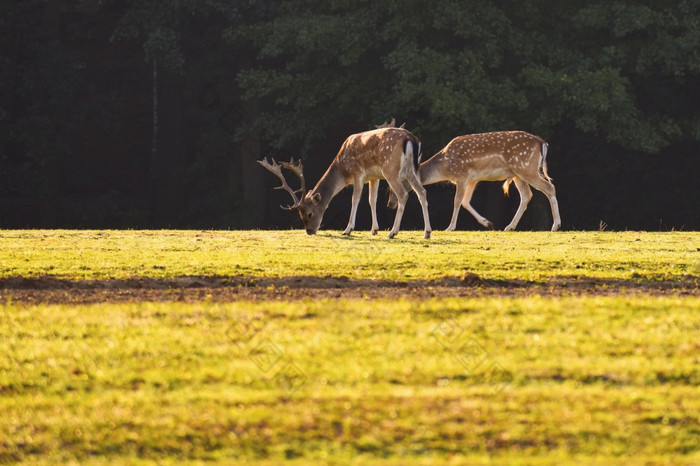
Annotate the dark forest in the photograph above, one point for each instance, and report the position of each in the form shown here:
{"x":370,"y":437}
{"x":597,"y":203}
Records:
{"x":151,"y":114}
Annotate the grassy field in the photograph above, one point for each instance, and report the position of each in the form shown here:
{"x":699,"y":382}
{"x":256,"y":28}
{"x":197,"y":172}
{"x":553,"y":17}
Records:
{"x":495,"y":255}
{"x":539,"y":379}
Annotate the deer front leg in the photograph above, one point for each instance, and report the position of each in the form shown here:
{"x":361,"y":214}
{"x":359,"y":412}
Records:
{"x":373,"y":194}
{"x":525,"y":196}
{"x":356,"y":195}
{"x":466,"y":203}
{"x":459,"y":194}
{"x":423,"y":198}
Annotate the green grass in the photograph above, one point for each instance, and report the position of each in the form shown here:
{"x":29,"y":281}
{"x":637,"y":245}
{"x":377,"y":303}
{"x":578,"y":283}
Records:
{"x":536,"y":380}
{"x":528,"y":380}
{"x":492,"y":255}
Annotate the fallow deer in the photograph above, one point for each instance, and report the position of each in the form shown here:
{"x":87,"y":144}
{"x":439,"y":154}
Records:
{"x":387,"y":152}
{"x":514,"y":156}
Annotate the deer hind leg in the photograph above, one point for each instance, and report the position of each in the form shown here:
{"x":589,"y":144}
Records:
{"x":547,"y":187}
{"x":525,"y":196}
{"x":402,"y":196}
{"x":466,"y":203}
{"x":423,"y":198}
{"x":373,"y":194}
{"x":357,"y":186}
{"x":461,"y":188}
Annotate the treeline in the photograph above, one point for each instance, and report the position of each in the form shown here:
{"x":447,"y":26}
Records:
{"x":144,"y":113}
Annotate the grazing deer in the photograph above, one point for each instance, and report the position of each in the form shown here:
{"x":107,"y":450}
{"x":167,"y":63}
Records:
{"x":514,"y":156}
{"x":386,"y":153}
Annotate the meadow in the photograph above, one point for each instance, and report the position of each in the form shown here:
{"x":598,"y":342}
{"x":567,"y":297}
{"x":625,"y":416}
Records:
{"x":491,"y":254}
{"x":459,"y":372}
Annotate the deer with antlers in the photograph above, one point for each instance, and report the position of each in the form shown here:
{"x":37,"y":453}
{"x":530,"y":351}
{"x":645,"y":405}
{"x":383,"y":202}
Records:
{"x":514,"y":156}
{"x":387,"y":152}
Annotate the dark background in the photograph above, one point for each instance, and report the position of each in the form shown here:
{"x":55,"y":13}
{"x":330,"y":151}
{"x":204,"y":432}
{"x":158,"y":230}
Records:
{"x":151,"y":114}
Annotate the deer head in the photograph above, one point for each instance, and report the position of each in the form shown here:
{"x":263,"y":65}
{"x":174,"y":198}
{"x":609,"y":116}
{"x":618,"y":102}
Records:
{"x":308,"y":205}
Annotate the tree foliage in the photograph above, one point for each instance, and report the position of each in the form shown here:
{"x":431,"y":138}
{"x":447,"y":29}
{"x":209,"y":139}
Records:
{"x":478,"y":65}
{"x":613,"y":85}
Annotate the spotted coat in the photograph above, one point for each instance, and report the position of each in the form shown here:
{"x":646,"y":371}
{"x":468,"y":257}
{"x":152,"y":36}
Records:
{"x":514,"y":156}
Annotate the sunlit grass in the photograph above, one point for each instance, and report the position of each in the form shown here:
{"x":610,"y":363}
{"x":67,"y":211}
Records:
{"x":530,"y":380}
{"x":496,"y":255}
{"x":540,"y":380}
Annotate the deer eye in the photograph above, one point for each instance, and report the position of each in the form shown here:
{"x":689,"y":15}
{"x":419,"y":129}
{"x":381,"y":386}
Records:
{"x":311,"y":214}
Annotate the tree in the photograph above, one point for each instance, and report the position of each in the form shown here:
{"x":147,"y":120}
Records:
{"x":48,"y":108}
{"x":612,"y":85}
{"x":197,"y":163}
{"x":581,"y":75}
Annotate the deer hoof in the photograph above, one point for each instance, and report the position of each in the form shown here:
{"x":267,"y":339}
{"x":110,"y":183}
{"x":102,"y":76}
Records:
{"x":374,"y":232}
{"x":391,"y":234}
{"x":347,"y":232}
{"x":491,"y":226}
{"x":427,"y":234}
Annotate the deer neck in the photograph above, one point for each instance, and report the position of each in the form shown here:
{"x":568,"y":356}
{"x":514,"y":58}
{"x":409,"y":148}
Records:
{"x":430,"y":171}
{"x":330,"y":184}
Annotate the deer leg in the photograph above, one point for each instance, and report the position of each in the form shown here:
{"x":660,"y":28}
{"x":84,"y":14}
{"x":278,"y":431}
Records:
{"x":548,"y":189}
{"x":466,"y":203}
{"x":423,"y":198}
{"x":373,"y":194}
{"x":402,"y":196}
{"x":459,"y":194}
{"x":525,"y":196}
{"x":356,"y":195}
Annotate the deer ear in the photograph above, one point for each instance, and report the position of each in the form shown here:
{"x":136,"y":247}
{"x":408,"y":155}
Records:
{"x":316,"y":198}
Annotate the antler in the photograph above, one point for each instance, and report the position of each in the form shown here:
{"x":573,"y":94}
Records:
{"x":297,"y":169}
{"x":391,"y":124}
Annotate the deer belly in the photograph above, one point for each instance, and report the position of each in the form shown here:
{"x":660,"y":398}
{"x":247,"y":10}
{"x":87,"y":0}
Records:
{"x":373,"y":173}
{"x":490,"y":174}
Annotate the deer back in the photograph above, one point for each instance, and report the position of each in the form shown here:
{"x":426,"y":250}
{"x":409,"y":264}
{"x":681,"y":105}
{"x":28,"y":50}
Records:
{"x":377,"y":152}
{"x":485,"y":156}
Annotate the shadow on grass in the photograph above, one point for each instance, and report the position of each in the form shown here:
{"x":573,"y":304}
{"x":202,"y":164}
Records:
{"x":583,"y":284}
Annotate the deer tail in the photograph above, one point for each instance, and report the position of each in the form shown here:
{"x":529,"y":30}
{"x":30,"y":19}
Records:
{"x":415,"y":146}
{"x":543,"y":162}
{"x":506,"y":186}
